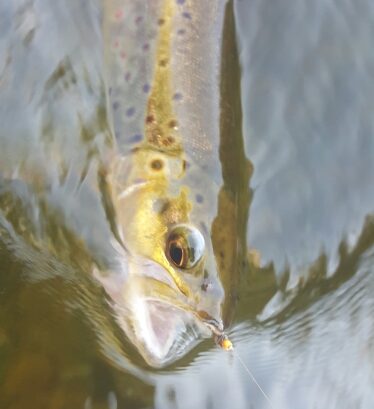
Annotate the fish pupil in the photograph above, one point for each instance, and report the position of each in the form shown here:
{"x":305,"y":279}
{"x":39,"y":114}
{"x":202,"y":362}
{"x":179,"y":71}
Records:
{"x":176,"y":254}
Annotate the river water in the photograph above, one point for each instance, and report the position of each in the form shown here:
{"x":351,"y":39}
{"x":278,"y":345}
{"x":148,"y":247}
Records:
{"x":303,"y":322}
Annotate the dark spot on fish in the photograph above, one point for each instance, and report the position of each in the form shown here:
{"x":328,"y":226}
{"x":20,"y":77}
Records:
{"x":222,"y":254}
{"x":146,"y":88}
{"x":173,"y":124}
{"x":177,"y":96}
{"x":161,"y":205}
{"x":135,"y":138}
{"x":130,"y":111}
{"x":181,"y":31}
{"x":145,"y":47}
{"x":157,"y":164}
{"x":206,"y":273}
{"x":181,"y":1}
{"x":163,"y":62}
{"x":139,"y":19}
{"x":110,"y":90}
{"x":155,"y":136}
{"x":127,"y":76}
{"x":199,"y":198}
{"x":187,"y":15}
{"x":149,"y":119}
{"x":161,"y":21}
{"x":115,"y":105}
{"x":165,"y":206}
{"x":206,"y":284}
{"x":185,"y":165}
{"x":170,"y":140}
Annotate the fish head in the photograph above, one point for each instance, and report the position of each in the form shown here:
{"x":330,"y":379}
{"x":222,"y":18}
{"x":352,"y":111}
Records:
{"x":172,"y":290}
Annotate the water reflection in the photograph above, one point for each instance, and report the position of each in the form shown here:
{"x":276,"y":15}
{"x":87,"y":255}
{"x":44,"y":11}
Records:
{"x":307,"y":92}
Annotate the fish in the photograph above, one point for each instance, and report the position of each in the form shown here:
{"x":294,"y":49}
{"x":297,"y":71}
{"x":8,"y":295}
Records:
{"x":163,"y":83}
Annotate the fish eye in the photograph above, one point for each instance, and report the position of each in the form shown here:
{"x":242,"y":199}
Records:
{"x":185,"y":246}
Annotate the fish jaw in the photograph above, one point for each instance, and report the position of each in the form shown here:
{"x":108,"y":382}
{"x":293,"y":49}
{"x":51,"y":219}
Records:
{"x":162,"y":332}
{"x":160,"y":321}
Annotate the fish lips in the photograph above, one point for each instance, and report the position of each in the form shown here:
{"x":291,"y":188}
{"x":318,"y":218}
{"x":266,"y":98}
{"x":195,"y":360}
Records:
{"x":161,"y":331}
{"x":160,"y":321}
{"x":155,"y":315}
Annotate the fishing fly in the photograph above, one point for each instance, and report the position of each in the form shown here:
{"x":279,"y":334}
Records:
{"x":223,"y":341}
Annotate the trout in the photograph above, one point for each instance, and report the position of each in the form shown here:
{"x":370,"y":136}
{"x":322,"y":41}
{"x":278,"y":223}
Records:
{"x":163,"y":60}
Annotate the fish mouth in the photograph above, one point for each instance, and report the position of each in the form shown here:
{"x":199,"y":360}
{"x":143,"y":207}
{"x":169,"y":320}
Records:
{"x":161,"y":331}
{"x":161,"y":322}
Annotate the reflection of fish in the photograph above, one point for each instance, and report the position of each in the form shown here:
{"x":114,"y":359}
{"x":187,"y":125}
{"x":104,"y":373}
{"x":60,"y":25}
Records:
{"x":163,"y":65}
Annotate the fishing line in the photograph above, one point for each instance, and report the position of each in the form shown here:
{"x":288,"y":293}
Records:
{"x":224,"y":342}
{"x":245,"y":367}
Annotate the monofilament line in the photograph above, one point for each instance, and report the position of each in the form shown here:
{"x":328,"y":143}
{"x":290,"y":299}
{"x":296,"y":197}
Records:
{"x":252,"y":377}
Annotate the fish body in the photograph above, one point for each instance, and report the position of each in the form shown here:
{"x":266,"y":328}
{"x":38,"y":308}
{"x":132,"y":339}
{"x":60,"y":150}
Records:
{"x":163,"y":72}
